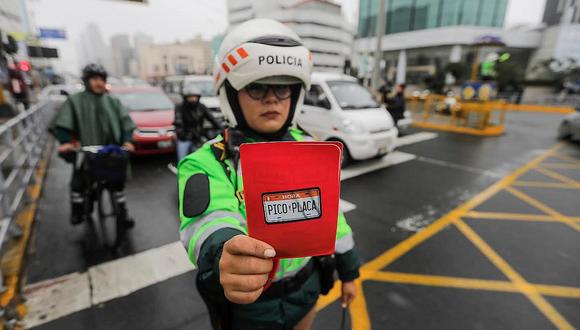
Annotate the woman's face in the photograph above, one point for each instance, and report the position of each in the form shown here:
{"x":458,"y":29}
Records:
{"x":266,"y":115}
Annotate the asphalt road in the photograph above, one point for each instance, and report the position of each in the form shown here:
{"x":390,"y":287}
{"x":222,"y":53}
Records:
{"x":392,"y":205}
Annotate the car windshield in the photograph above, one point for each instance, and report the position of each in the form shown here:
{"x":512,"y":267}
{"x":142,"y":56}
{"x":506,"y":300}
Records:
{"x":143,"y":101}
{"x":351,"y":96}
{"x":205,"y":86}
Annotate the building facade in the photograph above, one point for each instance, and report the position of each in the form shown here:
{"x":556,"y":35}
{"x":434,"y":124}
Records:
{"x":413,"y":15}
{"x":319,"y":23}
{"x":423,"y":36}
{"x":560,"y":37}
{"x":157,"y":61}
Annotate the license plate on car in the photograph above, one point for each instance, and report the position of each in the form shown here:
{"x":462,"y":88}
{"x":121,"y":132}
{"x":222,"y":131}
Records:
{"x":164,"y":144}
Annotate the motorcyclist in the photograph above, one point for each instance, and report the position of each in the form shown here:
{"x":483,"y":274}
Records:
{"x":92,"y":117}
{"x":191,"y":116}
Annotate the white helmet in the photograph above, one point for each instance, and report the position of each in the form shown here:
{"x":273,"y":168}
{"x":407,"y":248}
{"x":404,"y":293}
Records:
{"x":263,"y":51}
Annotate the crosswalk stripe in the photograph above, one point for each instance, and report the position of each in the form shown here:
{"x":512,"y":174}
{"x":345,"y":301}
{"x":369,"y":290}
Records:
{"x":55,"y":298}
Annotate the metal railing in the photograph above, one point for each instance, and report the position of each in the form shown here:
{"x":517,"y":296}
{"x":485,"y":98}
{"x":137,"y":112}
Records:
{"x":22,"y":141}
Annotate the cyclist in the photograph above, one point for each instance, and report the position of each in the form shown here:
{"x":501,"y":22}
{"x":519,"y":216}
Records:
{"x":262,"y":72}
{"x":191,"y":116}
{"x":88,"y":118}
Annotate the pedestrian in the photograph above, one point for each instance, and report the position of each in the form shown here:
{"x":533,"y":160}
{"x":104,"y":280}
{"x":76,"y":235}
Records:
{"x":262,"y":73}
{"x":17,"y":86}
{"x":397,"y":105}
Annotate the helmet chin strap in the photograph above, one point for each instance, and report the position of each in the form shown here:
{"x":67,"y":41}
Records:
{"x":243,"y":126}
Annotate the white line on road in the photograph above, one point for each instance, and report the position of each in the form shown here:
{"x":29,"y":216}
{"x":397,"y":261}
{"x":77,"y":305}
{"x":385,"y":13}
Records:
{"x":416,"y":138}
{"x":394,"y":158}
{"x":346,"y":207}
{"x":459,"y":167}
{"x":55,"y":298}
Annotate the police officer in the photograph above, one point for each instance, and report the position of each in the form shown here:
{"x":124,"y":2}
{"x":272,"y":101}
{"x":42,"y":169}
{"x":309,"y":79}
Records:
{"x":191,"y":117}
{"x":262,"y":72}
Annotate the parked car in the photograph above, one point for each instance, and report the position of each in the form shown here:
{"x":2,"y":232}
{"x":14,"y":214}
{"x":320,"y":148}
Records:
{"x":570,"y":127}
{"x":153,"y":112}
{"x":338,"y":108}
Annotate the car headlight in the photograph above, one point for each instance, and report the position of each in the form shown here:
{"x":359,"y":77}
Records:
{"x":348,"y":126}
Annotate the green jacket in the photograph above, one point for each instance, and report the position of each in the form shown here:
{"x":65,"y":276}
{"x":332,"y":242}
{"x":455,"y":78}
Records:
{"x":93,"y":120}
{"x":211,"y":214}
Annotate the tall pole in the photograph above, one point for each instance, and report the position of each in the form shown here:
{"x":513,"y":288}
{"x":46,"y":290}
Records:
{"x":380,"y":32}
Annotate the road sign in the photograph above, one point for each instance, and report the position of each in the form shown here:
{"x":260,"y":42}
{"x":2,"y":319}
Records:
{"x":46,"y":33}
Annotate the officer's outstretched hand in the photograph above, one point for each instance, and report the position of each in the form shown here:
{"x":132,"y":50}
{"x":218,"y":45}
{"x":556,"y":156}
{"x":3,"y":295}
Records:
{"x":244,"y":267}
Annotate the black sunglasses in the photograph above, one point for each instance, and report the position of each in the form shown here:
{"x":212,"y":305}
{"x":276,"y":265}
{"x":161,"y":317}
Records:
{"x":259,"y":91}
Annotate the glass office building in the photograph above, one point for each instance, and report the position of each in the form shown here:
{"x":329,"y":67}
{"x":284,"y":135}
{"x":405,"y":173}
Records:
{"x":413,"y":15}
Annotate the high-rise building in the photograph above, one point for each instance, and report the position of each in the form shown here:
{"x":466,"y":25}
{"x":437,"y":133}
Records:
{"x":413,"y":15}
{"x":93,"y":47}
{"x":319,"y":23}
{"x":122,"y":54}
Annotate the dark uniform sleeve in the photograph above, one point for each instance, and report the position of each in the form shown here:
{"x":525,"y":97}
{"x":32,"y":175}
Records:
{"x":178,"y":123}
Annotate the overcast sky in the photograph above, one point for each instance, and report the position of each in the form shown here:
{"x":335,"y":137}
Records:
{"x":170,"y":20}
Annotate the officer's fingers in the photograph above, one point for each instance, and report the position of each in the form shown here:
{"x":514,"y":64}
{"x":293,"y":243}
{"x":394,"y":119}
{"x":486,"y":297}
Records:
{"x":243,"y":298}
{"x":246,"y":265}
{"x":244,"y":283}
{"x":245,"y":245}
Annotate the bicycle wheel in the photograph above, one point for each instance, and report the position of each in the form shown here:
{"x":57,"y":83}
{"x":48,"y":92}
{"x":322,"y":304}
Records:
{"x":110,"y":222}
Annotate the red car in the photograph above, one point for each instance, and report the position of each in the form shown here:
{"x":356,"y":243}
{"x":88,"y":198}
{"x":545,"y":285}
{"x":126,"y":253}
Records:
{"x":153,"y":112}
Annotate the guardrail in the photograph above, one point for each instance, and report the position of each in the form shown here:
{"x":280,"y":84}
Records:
{"x":22,"y":141}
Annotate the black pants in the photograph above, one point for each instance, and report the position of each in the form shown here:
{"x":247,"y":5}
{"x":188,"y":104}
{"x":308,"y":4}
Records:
{"x":79,"y":184}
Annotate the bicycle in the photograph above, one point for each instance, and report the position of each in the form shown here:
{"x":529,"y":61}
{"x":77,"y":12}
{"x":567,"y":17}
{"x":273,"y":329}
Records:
{"x":105,"y":167}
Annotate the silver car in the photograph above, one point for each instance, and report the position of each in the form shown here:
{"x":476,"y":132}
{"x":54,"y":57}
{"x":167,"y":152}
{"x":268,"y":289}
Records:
{"x":570,"y":127}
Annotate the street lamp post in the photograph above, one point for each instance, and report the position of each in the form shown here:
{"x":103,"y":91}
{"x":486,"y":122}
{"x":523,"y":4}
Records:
{"x":380,"y":31}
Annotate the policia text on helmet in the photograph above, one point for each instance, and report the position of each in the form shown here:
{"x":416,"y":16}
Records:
{"x":262,"y":73}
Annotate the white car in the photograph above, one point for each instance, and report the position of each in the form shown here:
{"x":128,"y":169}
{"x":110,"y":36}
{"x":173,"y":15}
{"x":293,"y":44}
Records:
{"x":338,"y":108}
{"x":59,"y":93}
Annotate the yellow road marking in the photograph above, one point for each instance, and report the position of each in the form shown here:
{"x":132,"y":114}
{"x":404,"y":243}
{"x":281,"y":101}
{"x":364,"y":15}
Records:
{"x":550,"y":185}
{"x":558,"y":176}
{"x":543,"y":207}
{"x":380,"y":262}
{"x":523,"y":286}
{"x":561,"y":166}
{"x":567,"y":158}
{"x":515,"y":216}
{"x":472,"y":284}
{"x":358,"y":310}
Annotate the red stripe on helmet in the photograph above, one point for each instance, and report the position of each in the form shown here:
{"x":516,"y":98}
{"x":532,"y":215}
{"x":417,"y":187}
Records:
{"x":226,"y":68}
{"x":242,"y":52}
{"x":232,"y":59}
